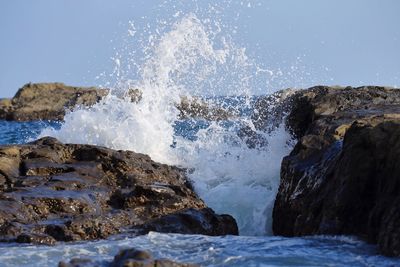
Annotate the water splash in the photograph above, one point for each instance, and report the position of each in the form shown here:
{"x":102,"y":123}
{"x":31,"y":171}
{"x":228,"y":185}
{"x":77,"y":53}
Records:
{"x":190,"y":58}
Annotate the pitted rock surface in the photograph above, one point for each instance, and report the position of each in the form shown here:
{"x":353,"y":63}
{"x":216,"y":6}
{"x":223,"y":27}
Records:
{"x":51,"y":192}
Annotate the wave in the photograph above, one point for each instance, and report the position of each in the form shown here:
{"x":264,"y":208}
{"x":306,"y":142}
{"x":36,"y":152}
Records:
{"x":190,"y":58}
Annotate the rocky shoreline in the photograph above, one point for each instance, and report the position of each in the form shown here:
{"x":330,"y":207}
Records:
{"x":63,"y":192}
{"x":342,"y":177}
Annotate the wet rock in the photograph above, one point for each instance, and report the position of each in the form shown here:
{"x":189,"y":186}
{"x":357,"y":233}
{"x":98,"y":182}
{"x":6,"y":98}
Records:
{"x":196,"y":107}
{"x":269,"y":112}
{"x":36,"y":238}
{"x":192,"y":221}
{"x":139,"y":258}
{"x":47,"y":101}
{"x":78,"y":262}
{"x":342,"y":176}
{"x":127,"y":258}
{"x":51,"y":192}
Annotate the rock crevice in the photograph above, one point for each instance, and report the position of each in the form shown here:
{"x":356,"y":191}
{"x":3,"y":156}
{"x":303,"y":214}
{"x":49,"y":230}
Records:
{"x":342,"y":176}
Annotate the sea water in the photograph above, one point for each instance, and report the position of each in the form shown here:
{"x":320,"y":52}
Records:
{"x":190,"y":59}
{"x":208,"y":251}
{"x":244,"y":250}
{"x":191,"y":54}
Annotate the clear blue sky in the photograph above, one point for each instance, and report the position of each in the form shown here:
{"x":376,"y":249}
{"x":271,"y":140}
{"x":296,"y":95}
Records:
{"x":345,"y":42}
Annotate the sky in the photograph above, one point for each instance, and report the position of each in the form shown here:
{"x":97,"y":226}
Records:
{"x":341,"y":42}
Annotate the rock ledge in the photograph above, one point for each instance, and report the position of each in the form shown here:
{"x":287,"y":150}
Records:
{"x":343,"y":176}
{"x":51,"y":192}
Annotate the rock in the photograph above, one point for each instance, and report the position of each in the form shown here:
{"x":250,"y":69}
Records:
{"x":196,"y":107}
{"x":321,"y":110}
{"x":127,"y":258}
{"x":78,"y":262}
{"x":270,"y":110}
{"x":138,"y":258}
{"x":47,"y":101}
{"x":193,"y":221}
{"x":50,"y":101}
{"x":343,"y":176}
{"x":52,"y":192}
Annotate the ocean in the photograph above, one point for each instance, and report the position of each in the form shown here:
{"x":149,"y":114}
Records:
{"x":251,"y":248}
{"x":191,"y":56}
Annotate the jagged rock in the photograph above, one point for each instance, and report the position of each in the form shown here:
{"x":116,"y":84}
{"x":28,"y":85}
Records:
{"x":52,"y":192}
{"x":47,"y":101}
{"x":343,"y":177}
{"x":128,"y":258}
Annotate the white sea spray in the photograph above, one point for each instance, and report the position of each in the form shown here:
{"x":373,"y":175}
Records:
{"x":191,"y":58}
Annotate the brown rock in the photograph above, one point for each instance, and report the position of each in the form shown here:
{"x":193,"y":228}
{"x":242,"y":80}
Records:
{"x":51,"y":192}
{"x":47,"y":101}
{"x":127,"y":258}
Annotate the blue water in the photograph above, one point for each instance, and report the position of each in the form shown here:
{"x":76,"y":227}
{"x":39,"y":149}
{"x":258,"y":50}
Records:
{"x":22,"y":132}
{"x":209,"y":251}
{"x":203,"y":250}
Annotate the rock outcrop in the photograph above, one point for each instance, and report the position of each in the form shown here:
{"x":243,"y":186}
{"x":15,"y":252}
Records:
{"x":47,"y":101}
{"x":342,"y":176}
{"x":50,"y":101}
{"x":127,"y":258}
{"x":51,"y":192}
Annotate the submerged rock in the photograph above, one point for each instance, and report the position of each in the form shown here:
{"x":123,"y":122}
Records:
{"x":51,"y":192}
{"x":128,"y":258}
{"x":343,"y":176}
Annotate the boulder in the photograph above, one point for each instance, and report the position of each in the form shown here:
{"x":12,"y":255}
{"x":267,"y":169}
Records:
{"x":52,"y":192}
{"x":342,"y":176}
{"x":127,"y":258}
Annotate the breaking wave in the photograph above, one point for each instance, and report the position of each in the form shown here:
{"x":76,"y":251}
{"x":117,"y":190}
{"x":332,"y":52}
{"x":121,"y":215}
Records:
{"x":190,"y":58}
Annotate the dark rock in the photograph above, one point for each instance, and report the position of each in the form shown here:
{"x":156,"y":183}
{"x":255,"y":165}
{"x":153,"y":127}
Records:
{"x":343,"y":177}
{"x":270,"y":110}
{"x":268,"y":113}
{"x":78,"y":262}
{"x":127,"y":258}
{"x":52,"y":192}
{"x":192,"y":221}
